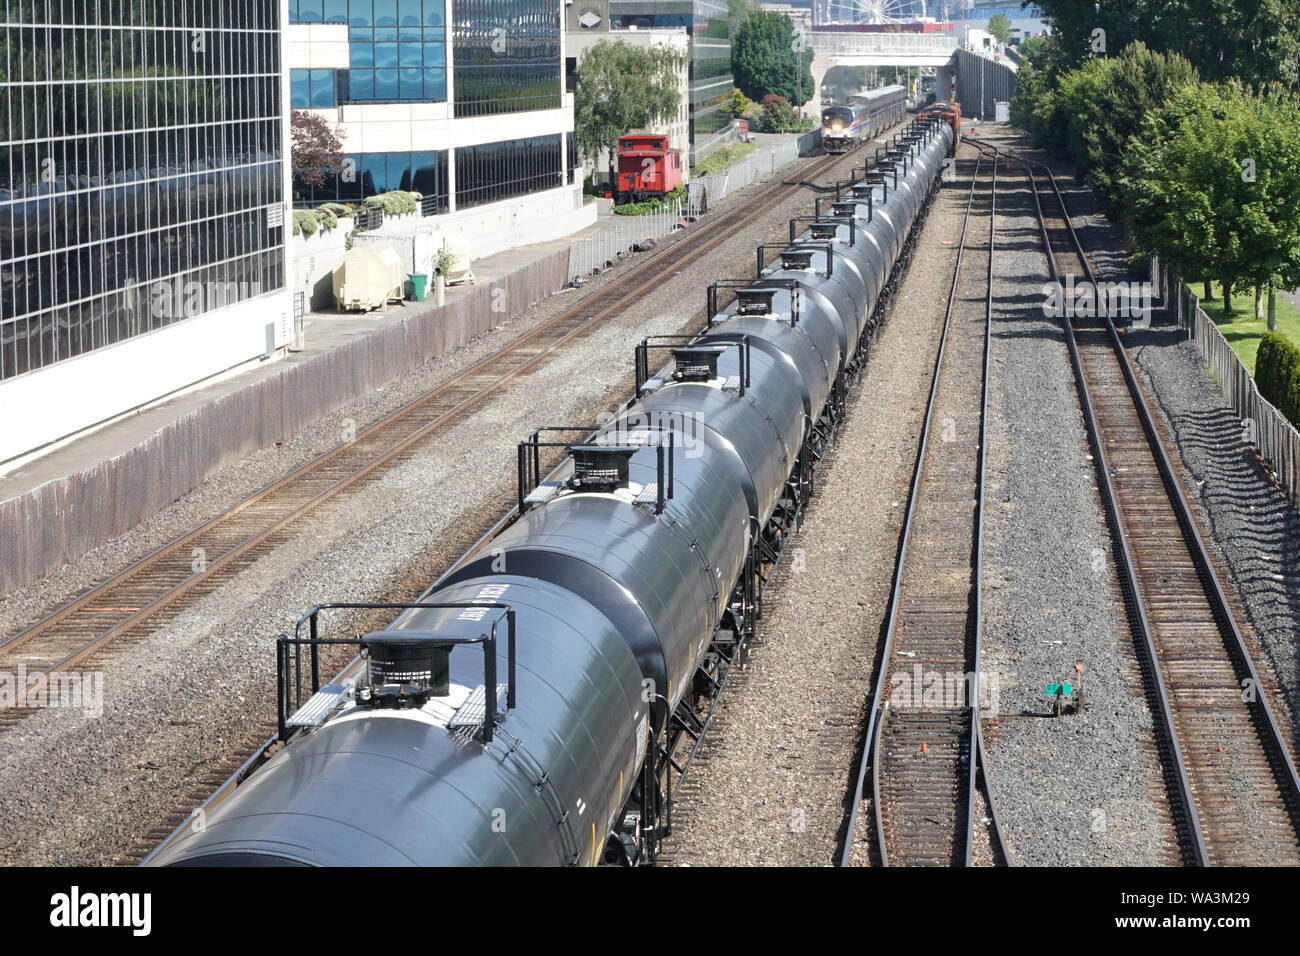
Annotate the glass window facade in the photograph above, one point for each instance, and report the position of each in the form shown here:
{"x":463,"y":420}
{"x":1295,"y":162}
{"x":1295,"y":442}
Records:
{"x":368,"y":13}
{"x":496,"y":171}
{"x":316,"y":89}
{"x":506,"y":56}
{"x":368,"y":174}
{"x":141,"y":162}
{"x":397,"y":50}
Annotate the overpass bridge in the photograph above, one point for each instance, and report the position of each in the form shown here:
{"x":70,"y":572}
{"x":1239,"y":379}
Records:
{"x":988,"y":79}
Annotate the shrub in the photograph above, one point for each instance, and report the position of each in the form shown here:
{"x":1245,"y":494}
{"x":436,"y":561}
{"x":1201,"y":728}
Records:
{"x":327,"y":218}
{"x":1277,"y":373}
{"x":397,"y":202}
{"x":337,"y":208}
{"x":676,"y":194}
{"x":305,"y":222}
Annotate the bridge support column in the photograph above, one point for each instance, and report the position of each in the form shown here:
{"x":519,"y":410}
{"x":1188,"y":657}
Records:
{"x":943,"y":83}
{"x":820,"y":66}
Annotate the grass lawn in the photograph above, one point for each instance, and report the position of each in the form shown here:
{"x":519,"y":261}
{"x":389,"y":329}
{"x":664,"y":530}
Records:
{"x":720,"y":159}
{"x":1243,"y":331}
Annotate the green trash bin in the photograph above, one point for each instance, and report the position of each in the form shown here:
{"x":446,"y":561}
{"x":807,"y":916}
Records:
{"x":419,"y":286}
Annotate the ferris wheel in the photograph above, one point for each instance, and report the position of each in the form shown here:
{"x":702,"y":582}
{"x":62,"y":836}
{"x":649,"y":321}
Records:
{"x":873,"y":11}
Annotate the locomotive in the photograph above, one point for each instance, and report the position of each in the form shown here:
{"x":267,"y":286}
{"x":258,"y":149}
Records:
{"x":535,"y":705}
{"x":864,"y":117}
{"x":950,"y":113}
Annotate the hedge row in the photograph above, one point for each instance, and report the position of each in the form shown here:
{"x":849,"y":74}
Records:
{"x":1277,"y":373}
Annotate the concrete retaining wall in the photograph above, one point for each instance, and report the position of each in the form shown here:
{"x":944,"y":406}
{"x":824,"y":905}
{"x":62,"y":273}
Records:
{"x":63,"y":519}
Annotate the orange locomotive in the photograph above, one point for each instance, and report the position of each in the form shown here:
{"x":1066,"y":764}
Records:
{"x":950,"y":112}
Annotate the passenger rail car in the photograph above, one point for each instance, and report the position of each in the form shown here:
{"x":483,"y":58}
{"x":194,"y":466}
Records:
{"x":537,"y":703}
{"x":864,"y":117}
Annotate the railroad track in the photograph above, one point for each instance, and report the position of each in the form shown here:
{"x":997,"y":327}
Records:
{"x":915,"y":796}
{"x":159,"y":587}
{"x":1231,"y":781}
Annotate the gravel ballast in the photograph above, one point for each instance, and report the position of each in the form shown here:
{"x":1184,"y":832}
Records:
{"x":81,"y":791}
{"x":1074,"y":790}
{"x":1251,"y":529}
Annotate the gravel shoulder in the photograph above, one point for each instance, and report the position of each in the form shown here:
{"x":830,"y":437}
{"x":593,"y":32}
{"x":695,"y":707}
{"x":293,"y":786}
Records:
{"x":81,"y":791}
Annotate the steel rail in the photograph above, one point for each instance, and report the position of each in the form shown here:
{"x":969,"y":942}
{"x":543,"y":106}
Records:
{"x":1269,"y":733}
{"x":872,"y":743}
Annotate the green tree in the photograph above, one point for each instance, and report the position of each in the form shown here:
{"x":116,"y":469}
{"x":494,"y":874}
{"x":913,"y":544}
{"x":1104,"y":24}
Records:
{"x":1032,"y":47}
{"x":1257,"y":41}
{"x":1112,"y":110}
{"x":622,"y":87}
{"x":769,"y":56}
{"x":1210,"y":186}
{"x":1000,"y":27}
{"x":779,"y":116}
{"x":737,"y":103}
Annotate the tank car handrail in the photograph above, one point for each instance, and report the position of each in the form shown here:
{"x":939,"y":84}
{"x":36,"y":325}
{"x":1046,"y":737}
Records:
{"x":284,"y":642}
{"x":793,"y":286}
{"x":529,"y":459}
{"x":649,"y":342}
{"x":877,"y":178}
{"x":826,"y":247}
{"x":745,"y":285}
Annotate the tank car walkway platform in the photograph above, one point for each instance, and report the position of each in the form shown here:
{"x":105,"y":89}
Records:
{"x":52,"y":500}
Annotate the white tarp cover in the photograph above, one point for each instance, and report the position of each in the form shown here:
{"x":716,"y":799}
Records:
{"x":366,"y":279}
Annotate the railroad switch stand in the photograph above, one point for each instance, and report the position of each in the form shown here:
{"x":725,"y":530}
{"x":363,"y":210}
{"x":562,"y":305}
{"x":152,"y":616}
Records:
{"x":1066,"y":696}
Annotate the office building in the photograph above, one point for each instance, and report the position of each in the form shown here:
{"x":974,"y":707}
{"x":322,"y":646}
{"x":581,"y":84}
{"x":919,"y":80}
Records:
{"x":462,"y":101}
{"x":143,"y":189}
{"x":706,"y":23}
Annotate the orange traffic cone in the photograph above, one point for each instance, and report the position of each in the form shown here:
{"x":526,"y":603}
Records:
{"x":924,"y":748}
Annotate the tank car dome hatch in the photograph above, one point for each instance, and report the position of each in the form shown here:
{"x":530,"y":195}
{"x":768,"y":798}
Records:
{"x":601,"y":468}
{"x":406,"y":669}
{"x":696,"y":363}
{"x":755,"y":301}
{"x":797,"y":260}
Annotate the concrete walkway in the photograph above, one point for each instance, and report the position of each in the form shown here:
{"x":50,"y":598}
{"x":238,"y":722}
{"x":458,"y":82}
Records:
{"x":323,"y":332}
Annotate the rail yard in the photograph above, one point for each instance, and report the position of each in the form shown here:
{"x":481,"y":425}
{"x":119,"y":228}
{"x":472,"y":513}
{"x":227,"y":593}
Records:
{"x":992,"y":542}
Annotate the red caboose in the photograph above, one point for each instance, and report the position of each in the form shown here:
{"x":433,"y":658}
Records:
{"x":647,"y":168}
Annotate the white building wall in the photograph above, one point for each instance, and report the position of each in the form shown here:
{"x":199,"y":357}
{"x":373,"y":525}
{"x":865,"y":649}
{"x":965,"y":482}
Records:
{"x":81,"y":392}
{"x":678,"y":128}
